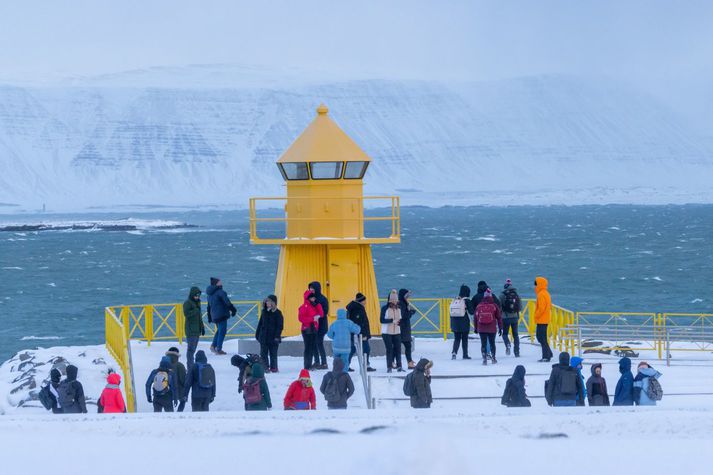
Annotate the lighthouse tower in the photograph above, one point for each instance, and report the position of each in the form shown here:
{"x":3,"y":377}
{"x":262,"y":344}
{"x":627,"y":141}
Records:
{"x":324,"y":233}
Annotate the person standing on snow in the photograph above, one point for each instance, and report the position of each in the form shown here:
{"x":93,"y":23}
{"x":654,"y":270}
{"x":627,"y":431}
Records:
{"x":488,"y":321}
{"x":200,"y":383}
{"x":300,"y":395}
{"x":194,"y":323}
{"x":543,"y":309}
{"x":391,"y":331}
{"x":461,"y":310}
{"x":479,"y":295}
{"x":220,"y":308}
{"x":514,"y":394}
{"x":111,"y":400}
{"x":341,"y":333}
{"x":624,"y":392}
{"x":309,"y":315}
{"x":565,"y":387}
{"x":71,"y":393}
{"x":647,"y":389}
{"x":597,"y":387}
{"x":421,"y":396}
{"x":511,"y":307}
{"x":161,"y":387}
{"x":179,"y":372}
{"x":269,"y":332}
{"x":356,"y":312}
{"x":407,"y":311}
{"x":320,"y":355}
{"x":55,"y":378}
{"x":576,"y":363}
{"x":337,"y":386}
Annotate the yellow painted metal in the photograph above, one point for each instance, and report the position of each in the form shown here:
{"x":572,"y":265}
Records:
{"x":692,"y":323}
{"x":117,"y":343}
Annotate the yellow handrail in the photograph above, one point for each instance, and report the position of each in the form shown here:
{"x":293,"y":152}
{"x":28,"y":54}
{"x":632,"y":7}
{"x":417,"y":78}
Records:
{"x":117,"y":343}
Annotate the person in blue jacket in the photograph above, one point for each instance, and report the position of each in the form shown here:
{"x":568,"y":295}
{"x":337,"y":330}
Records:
{"x":161,"y":387}
{"x":642,"y":381}
{"x":576,"y":363}
{"x":341,"y":332}
{"x":624,"y":393}
{"x":220,"y":308}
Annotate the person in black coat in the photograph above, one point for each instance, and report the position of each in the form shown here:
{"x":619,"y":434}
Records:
{"x":269,"y":332}
{"x":356,"y":312}
{"x":55,"y":378}
{"x":179,"y":371}
{"x":565,"y":386}
{"x":407,"y":311}
{"x":514,"y":394}
{"x":201,"y":394}
{"x":71,"y":393}
{"x":320,"y":355}
{"x":461,"y":325}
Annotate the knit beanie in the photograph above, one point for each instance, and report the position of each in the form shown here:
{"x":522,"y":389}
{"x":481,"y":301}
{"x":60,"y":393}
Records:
{"x":360,"y":297}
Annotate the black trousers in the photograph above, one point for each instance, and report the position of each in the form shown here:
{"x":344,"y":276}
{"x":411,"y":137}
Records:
{"x":407,"y":350}
{"x":484,"y":339}
{"x":309,"y":340}
{"x":200,"y":404}
{"x":393,"y":350}
{"x":541,"y":335}
{"x":320,"y":354}
{"x":460,"y":337}
{"x":163,"y":403}
{"x":511,"y":324}
{"x":269,"y":351}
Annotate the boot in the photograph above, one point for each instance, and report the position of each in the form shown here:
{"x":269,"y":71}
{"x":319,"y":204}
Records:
{"x":453,"y":356}
{"x":507,"y":350}
{"x":212,"y":349}
{"x":370,"y":369}
{"x":466,"y":357}
{"x":411,"y":365}
{"x":485,"y":360}
{"x":495,"y":361}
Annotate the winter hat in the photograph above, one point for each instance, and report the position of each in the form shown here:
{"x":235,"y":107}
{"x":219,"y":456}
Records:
{"x":113,"y":378}
{"x":488,"y":293}
{"x":643,"y":363}
{"x":55,"y":375}
{"x":304,"y":374}
{"x":360,"y":297}
{"x":393,"y":296}
{"x":273,"y":298}
{"x":214,"y":280}
{"x":508,"y":283}
{"x":173,"y":351}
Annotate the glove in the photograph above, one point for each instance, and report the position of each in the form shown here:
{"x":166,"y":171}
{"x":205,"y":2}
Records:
{"x":150,"y":401}
{"x":500,"y":332}
{"x":233,"y":310}
{"x":278,"y":339}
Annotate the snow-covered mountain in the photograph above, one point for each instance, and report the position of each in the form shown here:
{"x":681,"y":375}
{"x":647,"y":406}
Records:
{"x":551,"y":139}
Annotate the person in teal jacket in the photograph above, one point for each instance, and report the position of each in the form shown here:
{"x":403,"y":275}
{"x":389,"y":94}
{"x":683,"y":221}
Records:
{"x":576,"y":363}
{"x":341,"y":332}
{"x":257,"y":376}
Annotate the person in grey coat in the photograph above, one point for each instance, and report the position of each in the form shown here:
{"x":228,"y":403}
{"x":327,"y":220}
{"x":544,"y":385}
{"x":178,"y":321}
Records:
{"x":643,"y":379}
{"x":422,"y":396}
{"x":342,"y":384}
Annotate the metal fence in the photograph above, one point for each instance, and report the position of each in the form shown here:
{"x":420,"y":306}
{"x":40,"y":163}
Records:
{"x":117,"y":343}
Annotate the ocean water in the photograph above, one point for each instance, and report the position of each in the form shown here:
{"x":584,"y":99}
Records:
{"x":55,"y":283}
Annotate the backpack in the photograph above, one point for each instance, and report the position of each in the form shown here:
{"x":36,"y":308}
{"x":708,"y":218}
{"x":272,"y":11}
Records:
{"x":486,"y":313}
{"x":512,"y":302}
{"x":409,"y":389}
{"x":206,"y":376}
{"x":568,"y":383}
{"x":251,"y":391}
{"x":46,"y":397}
{"x":331,"y":390}
{"x":160,"y":383}
{"x":654,"y":391}
{"x":458,"y":307}
{"x":67,"y":394}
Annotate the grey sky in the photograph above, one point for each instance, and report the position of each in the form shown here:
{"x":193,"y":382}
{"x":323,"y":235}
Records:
{"x":636,"y":40}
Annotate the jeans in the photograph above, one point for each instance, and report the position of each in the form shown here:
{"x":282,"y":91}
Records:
{"x":565,"y":403}
{"x":269,"y":351}
{"x":487,"y":341}
{"x":460,"y":337}
{"x":200,"y":404}
{"x":407,"y":350}
{"x":309,"y":344}
{"x":345,"y":359}
{"x":365,"y":348}
{"x":541,"y":335}
{"x":508,"y":324}
{"x":320,"y":354}
{"x":393,"y":350}
{"x":221,"y":328}
{"x":192,"y":342}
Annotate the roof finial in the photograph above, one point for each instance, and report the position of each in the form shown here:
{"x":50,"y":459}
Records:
{"x":322,"y":109}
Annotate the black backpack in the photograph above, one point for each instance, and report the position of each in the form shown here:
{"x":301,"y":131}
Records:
{"x":409,"y":388}
{"x":206,"y":376}
{"x":511,"y":304}
{"x":67,"y":394}
{"x":331,"y":389}
{"x":568,"y":382}
{"x":46,"y":397}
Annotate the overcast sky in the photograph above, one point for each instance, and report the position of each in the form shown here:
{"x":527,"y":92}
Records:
{"x":637,"y":40}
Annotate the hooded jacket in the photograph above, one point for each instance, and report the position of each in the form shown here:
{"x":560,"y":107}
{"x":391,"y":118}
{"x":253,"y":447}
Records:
{"x":345,"y":386}
{"x":258,"y":373}
{"x":193,"y":380}
{"x":562,"y":377}
{"x":219,"y":305}
{"x":496,"y":324}
{"x":356,"y":312}
{"x":514,"y":394}
{"x":324,"y":303}
{"x":179,"y":371}
{"x":307,"y":312}
{"x":111,"y":400}
{"x":300,"y":395}
{"x":503,"y":298}
{"x":407,"y":311}
{"x":641,"y":386}
{"x":165,"y":366}
{"x":575,"y":362}
{"x":543,"y":305}
{"x":624,"y":392}
{"x":462,"y":324}
{"x":192,"y":314}
{"x":422,"y":397}
{"x":269,"y":327}
{"x":341,"y":332}
{"x":482,"y":287}
{"x":80,"y":405}
{"x":55,"y":378}
{"x":597,"y":388}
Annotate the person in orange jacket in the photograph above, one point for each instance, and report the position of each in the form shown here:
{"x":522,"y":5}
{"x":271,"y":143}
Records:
{"x":543,"y":309}
{"x":111,"y":400}
{"x":300,"y":394}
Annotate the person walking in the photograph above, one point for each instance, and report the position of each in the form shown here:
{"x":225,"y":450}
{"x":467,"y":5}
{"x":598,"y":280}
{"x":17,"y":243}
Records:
{"x":597,"y":387}
{"x":624,"y":391}
{"x":179,"y":372}
{"x":407,"y":311}
{"x":341,"y":332}
{"x":309,"y":315}
{"x":255,"y":390}
{"x":71,"y":393}
{"x":514,"y":394}
{"x":421,"y":396}
{"x":269,"y":332}
{"x":488,"y":321}
{"x":565,"y":387}
{"x":337,"y":386}
{"x":576,"y":363}
{"x":356,"y":312}
{"x":511,"y":307}
{"x":161,"y":387}
{"x":220,"y":308}
{"x":320,"y":355}
{"x":300,"y":395}
{"x":461,"y":309}
{"x":391,"y":331}
{"x":111,"y":400}
{"x":647,"y":389}
{"x":194,"y":323}
{"x":200,"y":384}
{"x":543,"y":309}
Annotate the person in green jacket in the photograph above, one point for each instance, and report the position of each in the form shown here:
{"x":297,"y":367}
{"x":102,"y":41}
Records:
{"x":194,"y":323}
{"x":255,"y":390}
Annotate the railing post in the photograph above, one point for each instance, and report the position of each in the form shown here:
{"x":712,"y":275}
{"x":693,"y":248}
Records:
{"x":579,"y":341}
{"x":668,"y":348}
{"x":180,"y":323}
{"x":148,"y":322}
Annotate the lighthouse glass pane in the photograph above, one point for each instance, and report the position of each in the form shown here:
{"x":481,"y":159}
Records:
{"x":355,"y":170}
{"x":326,"y":170}
{"x":294,"y":170}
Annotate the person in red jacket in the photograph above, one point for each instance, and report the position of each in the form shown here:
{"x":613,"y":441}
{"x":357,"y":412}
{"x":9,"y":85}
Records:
{"x":309,"y":314}
{"x":300,"y":394}
{"x":488,"y":321}
{"x":111,"y":400}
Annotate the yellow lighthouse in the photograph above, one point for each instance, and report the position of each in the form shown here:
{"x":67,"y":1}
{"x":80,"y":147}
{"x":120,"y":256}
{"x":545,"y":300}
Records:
{"x":322,"y":226}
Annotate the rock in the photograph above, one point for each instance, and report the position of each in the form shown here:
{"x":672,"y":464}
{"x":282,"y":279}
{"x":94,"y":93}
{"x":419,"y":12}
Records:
{"x":99,"y":361}
{"x":25,"y":356}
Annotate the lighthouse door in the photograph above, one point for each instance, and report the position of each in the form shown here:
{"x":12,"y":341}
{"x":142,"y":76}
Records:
{"x":343,"y":277}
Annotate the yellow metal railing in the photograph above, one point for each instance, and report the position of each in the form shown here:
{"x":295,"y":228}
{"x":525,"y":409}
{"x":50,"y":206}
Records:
{"x":117,"y":343}
{"x":696,"y":326}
